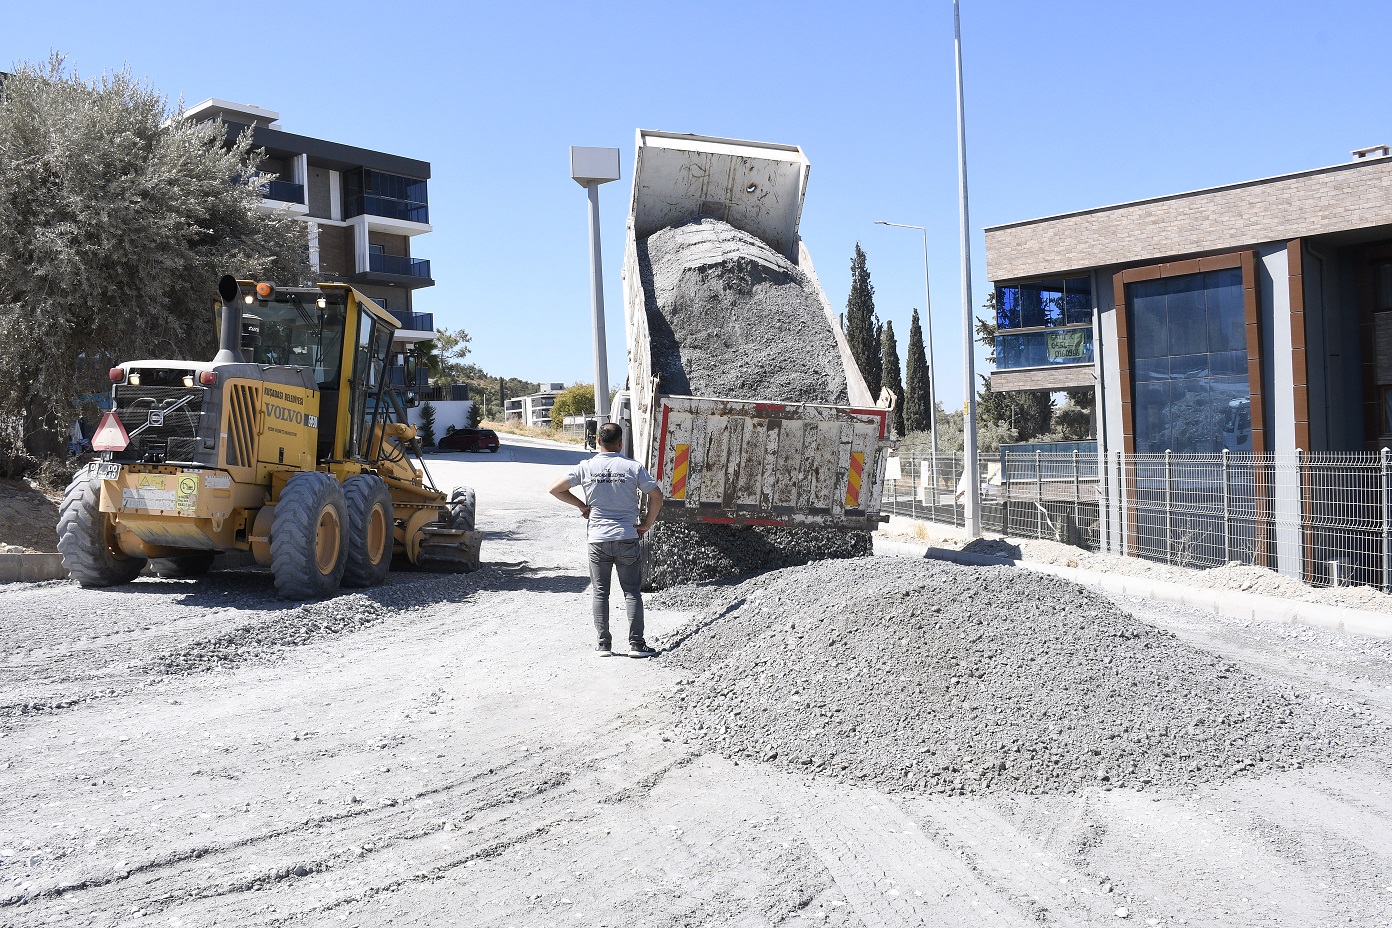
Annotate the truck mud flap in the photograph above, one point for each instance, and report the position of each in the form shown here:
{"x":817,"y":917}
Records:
{"x":449,"y":550}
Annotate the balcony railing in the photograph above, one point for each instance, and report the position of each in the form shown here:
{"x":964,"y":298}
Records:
{"x":418,"y":322}
{"x":409,"y":210}
{"x":284,"y":191}
{"x":396,"y":264}
{"x":1043,"y":349}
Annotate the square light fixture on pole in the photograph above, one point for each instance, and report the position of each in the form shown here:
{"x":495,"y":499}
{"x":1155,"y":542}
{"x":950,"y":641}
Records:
{"x":590,"y":167}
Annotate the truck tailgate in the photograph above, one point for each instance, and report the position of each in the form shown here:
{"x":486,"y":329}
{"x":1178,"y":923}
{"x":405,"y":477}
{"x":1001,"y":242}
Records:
{"x":738,"y":462}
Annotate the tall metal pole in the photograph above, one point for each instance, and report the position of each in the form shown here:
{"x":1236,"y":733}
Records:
{"x":972,"y":503}
{"x":601,"y":353}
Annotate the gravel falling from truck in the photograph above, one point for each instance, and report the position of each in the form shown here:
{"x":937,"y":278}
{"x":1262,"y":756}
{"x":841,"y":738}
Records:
{"x":730,"y":317}
{"x":913,"y":675}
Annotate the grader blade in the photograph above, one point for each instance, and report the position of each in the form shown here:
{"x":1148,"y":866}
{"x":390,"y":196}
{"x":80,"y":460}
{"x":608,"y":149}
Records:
{"x":449,"y":550}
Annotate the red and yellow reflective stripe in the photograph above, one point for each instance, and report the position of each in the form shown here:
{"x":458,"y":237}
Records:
{"x":679,"y":472}
{"x":853,"y":479}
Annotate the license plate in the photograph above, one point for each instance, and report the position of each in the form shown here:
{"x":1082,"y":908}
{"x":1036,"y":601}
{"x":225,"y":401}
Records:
{"x":108,"y":471}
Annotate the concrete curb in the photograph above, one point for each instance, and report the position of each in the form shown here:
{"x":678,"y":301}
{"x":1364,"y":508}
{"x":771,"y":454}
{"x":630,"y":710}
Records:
{"x":1246,"y":606}
{"x":31,"y":568}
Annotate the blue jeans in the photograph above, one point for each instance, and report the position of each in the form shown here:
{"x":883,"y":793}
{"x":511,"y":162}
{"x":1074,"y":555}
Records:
{"x":624,"y":556}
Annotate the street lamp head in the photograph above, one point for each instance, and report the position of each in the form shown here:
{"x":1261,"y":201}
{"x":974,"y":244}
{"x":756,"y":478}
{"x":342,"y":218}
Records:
{"x":593,"y":165}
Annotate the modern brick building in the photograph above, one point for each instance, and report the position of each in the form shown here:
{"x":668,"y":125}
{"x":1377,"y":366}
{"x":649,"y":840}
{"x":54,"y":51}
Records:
{"x":1240,"y":342}
{"x":362,"y":211}
{"x":1249,"y":317}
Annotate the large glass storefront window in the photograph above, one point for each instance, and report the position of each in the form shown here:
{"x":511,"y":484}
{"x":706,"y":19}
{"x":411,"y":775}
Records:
{"x":1189,"y":364}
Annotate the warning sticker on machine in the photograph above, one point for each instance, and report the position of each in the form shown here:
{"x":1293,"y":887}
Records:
{"x":188,"y":493}
{"x":146,"y":498}
{"x":153,"y":492}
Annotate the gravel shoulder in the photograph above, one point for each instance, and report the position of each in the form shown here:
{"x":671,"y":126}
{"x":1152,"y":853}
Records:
{"x":455,"y":756}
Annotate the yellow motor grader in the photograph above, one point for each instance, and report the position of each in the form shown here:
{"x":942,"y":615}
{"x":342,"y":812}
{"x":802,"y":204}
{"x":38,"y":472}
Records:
{"x":289,"y":446}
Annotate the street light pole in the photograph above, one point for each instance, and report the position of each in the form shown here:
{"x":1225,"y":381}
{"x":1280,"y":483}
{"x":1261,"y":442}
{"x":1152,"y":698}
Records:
{"x":928,"y":320}
{"x":970,"y":477}
{"x":590,"y":167}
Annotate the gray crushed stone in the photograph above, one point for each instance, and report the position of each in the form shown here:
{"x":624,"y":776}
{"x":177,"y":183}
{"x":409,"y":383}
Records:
{"x":289,"y":626}
{"x":729,"y":317}
{"x":927,"y":676}
{"x":684,"y":553}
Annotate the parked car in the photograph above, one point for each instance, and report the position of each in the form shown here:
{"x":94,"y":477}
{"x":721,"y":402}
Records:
{"x":469,"y":440}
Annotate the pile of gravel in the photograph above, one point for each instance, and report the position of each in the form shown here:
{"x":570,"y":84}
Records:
{"x":683,"y":553}
{"x":927,"y":676}
{"x":730,"y":317}
{"x":291,"y":626}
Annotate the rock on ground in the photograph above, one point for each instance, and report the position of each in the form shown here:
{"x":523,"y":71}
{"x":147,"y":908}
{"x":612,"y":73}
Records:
{"x":928,"y":676}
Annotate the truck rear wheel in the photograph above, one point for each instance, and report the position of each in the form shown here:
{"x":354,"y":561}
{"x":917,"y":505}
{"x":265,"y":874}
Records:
{"x":370,"y":523}
{"x":309,"y":537}
{"x":185,"y":565}
{"x":463,"y":509}
{"x":86,"y":537}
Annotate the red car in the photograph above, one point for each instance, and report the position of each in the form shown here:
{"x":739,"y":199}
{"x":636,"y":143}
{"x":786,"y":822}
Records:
{"x":469,"y":440}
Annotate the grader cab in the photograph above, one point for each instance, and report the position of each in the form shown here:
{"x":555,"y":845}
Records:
{"x":289,"y":446}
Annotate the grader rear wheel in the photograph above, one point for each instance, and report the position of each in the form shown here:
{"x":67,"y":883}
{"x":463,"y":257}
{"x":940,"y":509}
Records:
{"x":370,"y":522}
{"x":86,"y":537}
{"x":309,"y":537}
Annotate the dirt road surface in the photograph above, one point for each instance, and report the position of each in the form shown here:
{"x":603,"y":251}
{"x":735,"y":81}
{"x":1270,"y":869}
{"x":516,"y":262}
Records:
{"x":447,"y":751}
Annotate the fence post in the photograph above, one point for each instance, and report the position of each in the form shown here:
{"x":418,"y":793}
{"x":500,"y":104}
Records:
{"x":933,"y":500}
{"x":1077,"y":492}
{"x":1121,"y":503}
{"x":1038,"y":493}
{"x":1227,"y":510}
{"x":1169,"y":506}
{"x":1386,"y":526}
{"x":1300,"y":517}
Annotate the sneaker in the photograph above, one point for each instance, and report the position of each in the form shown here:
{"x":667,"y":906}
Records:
{"x":640,"y":648}
{"x":603,"y":650}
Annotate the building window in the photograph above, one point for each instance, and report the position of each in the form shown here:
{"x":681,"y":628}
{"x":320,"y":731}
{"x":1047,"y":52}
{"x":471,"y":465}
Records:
{"x":1044,"y":323}
{"x":380,"y":194}
{"x":1188,"y":338}
{"x":375,"y":249}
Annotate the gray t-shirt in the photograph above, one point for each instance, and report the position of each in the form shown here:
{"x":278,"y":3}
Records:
{"x":611,"y":483}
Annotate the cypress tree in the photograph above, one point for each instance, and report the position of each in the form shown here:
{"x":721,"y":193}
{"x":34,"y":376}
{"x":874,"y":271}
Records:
{"x":918,"y":414}
{"x":862,"y":325}
{"x":893,"y":380}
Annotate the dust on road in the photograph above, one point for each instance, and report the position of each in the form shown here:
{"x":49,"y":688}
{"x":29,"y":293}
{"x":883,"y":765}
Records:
{"x":449,"y":753}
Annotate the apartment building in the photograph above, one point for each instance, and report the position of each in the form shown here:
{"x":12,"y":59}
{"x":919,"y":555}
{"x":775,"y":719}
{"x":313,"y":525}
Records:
{"x":534,"y":408}
{"x":361,"y":208}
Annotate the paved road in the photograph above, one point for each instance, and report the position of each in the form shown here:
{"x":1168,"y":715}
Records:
{"x":446,"y":751}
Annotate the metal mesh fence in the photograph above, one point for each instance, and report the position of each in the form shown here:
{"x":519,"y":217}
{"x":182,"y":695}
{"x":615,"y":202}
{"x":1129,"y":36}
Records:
{"x":1326,"y":518}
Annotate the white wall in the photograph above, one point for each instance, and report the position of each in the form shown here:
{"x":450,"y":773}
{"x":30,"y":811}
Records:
{"x":447,"y":413}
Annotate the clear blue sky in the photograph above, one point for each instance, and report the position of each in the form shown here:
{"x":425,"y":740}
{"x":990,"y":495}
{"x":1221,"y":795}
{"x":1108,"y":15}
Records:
{"x":1070,"y":104}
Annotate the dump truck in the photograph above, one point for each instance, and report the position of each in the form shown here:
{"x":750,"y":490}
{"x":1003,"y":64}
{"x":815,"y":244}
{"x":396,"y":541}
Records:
{"x":743,"y":461}
{"x":288,"y":450}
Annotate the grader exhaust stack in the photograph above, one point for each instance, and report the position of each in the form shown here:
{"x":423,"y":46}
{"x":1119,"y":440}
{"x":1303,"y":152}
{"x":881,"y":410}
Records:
{"x":230,"y":340}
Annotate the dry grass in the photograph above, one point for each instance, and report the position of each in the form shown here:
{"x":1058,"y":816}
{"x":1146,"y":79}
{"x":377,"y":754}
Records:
{"x":516,"y":428}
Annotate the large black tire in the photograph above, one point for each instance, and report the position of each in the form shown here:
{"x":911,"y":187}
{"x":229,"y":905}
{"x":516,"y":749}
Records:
{"x":371,"y":521}
{"x":86,"y":539}
{"x":309,"y":537}
{"x":185,"y":565}
{"x":462,"y":509}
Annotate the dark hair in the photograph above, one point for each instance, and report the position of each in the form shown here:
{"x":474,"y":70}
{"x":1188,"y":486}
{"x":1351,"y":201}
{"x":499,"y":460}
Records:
{"x":610,"y":434}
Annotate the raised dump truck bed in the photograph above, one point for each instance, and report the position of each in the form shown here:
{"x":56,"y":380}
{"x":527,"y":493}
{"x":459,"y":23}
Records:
{"x":743,"y":461}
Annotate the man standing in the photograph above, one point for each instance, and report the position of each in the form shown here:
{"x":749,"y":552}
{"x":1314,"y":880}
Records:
{"x":611,"y":484}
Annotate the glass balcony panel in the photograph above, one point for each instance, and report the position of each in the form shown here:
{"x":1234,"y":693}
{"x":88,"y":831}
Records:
{"x":284,"y":191}
{"x":395,"y":264}
{"x":1043,"y":349}
{"x":419,"y":322}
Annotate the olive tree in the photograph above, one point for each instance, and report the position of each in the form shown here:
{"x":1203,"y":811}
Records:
{"x":117,"y":216}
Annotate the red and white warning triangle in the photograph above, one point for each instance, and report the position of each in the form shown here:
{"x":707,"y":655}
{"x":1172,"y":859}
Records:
{"x":111,"y":434}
